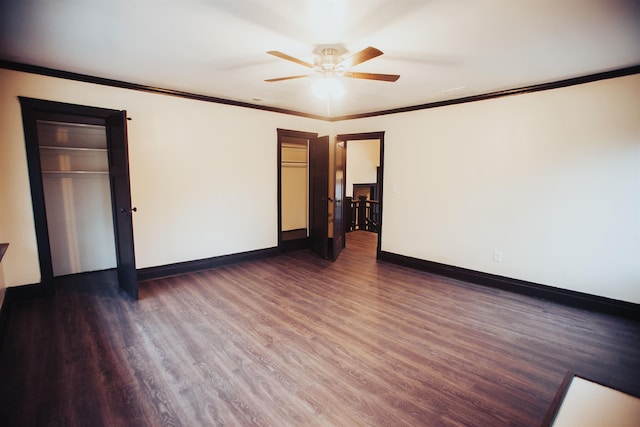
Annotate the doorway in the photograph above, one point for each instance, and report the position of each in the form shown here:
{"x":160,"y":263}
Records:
{"x":318,"y":193}
{"x":372,"y":202}
{"x":77,"y":195}
{"x":79,"y":176}
{"x":303,"y":192}
{"x":293,"y":190}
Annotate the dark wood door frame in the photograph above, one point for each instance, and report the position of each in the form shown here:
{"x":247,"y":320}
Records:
{"x":282,"y":134}
{"x":37,"y":109}
{"x":363,"y":136}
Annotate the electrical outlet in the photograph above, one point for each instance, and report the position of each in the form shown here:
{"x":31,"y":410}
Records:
{"x":497,"y":256}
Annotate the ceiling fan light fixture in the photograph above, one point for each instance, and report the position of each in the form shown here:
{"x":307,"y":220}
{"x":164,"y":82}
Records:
{"x":327,"y":87}
{"x":328,"y":61}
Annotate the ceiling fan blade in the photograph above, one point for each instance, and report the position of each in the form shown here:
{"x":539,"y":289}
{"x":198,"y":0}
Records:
{"x":360,"y":57}
{"x":372,"y":76}
{"x":289,"y":58}
{"x":278,"y":79}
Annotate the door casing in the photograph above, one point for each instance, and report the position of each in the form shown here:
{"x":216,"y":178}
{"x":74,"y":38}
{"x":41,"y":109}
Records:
{"x":115,"y":123}
{"x":282,"y":135}
{"x":363,"y":136}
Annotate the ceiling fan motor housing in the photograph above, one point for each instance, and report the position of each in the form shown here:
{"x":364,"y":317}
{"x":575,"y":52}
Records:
{"x":329,"y":62}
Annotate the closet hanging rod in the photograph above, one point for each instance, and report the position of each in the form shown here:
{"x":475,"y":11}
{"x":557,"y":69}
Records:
{"x":70,"y":124}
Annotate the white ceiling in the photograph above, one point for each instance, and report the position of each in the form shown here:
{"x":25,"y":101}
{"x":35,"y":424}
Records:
{"x":442,"y":49}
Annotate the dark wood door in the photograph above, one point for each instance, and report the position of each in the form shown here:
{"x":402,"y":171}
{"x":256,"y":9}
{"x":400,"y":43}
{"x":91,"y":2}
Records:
{"x":121,"y":202}
{"x":319,"y":195}
{"x":338,"y":199}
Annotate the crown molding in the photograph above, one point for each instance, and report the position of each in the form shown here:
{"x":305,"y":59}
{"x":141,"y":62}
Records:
{"x":621,"y":72}
{"x":67,"y":75}
{"x":35,"y":69}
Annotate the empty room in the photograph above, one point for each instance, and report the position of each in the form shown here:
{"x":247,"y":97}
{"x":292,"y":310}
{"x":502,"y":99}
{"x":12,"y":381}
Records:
{"x":331,"y":213}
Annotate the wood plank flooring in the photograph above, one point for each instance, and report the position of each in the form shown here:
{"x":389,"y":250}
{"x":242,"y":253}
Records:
{"x":299,"y":341}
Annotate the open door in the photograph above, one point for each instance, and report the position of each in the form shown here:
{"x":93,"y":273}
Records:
{"x":379,"y":136}
{"x":319,"y":195}
{"x":121,"y":201}
{"x":338,"y":213}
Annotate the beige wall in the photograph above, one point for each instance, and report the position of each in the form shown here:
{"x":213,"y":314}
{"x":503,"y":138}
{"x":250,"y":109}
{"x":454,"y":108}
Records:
{"x":550,"y":179}
{"x":199,"y":173}
{"x":363,"y":159}
{"x":295,"y":186}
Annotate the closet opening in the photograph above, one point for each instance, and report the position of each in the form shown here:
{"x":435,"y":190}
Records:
{"x":79,"y":176}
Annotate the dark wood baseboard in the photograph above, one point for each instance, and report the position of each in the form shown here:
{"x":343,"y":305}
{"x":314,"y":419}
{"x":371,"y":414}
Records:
{"x":158,"y":272}
{"x":295,"y":245}
{"x":562,"y":296}
{"x":299,"y":233}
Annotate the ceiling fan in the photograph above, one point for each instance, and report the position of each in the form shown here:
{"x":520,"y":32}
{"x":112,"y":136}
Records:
{"x":330,"y":64}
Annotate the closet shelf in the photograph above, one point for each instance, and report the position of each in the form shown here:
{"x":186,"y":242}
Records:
{"x":75,"y":172}
{"x":55,"y":147}
{"x":294,"y":146}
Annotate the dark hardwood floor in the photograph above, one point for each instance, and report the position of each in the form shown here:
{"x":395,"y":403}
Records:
{"x":299,"y":341}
